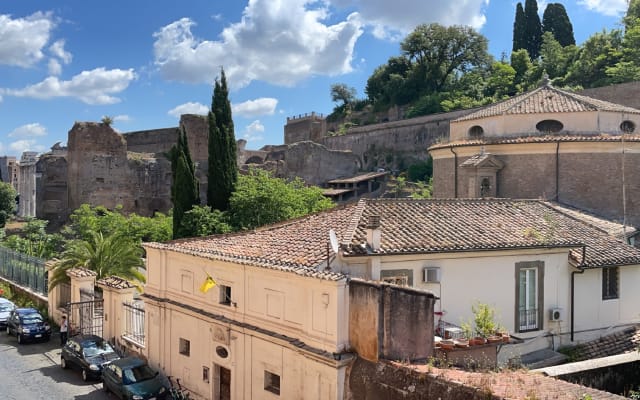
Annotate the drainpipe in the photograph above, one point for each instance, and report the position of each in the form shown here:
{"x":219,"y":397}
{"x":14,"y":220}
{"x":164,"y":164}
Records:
{"x":455,"y":172}
{"x":573,"y":284}
{"x":557,"y":170}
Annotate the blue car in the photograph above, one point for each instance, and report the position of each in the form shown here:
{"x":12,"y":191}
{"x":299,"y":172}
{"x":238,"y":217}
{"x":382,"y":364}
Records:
{"x":130,"y":378}
{"x":27,"y":324}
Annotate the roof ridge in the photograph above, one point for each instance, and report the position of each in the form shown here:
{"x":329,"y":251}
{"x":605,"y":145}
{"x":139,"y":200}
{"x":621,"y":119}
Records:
{"x":352,"y":226}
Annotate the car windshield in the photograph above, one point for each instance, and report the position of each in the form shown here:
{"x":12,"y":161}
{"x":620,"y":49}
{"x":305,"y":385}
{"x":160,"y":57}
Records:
{"x":138,"y":374}
{"x":92,"y":349}
{"x":4,"y":307}
{"x":31,"y":319}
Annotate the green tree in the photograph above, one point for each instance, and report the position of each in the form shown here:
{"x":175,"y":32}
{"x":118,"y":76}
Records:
{"x":261,"y":199}
{"x":519,"y":25}
{"x":388,"y":83}
{"x":599,"y":52}
{"x":106,"y":255}
{"x":203,"y":221}
{"x":33,"y":240}
{"x":533,"y":29}
{"x":8,"y":205}
{"x":556,"y":21}
{"x":633,"y":13}
{"x":185,"y":190}
{"x":521,"y":63}
{"x":501,"y":81}
{"x":440,"y":52}
{"x":554,"y":58}
{"x":340,"y":92}
{"x":223,"y":167}
{"x":628,"y":67}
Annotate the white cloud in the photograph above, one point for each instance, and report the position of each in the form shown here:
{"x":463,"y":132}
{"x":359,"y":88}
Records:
{"x":20,"y":146}
{"x":394,"y":19}
{"x":121,"y":118}
{"x":605,"y":7}
{"x":255,"y":108}
{"x":29,"y":130}
{"x":91,"y":87}
{"x":55,"y":68}
{"x":253,"y":131}
{"x":188,"y":108}
{"x":280,"y":42}
{"x":22,"y":39}
{"x":57,"y":49}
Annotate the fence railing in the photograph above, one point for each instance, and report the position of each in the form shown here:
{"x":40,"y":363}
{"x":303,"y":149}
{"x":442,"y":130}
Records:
{"x":528,"y":319}
{"x":134,"y":322}
{"x":24,"y":270}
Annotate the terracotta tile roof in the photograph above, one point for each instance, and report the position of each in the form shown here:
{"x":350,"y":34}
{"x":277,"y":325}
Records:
{"x":116,"y":282}
{"x":359,"y":178}
{"x":582,"y":137}
{"x":80,"y":272}
{"x":413,"y":227}
{"x":298,"y":246}
{"x":454,"y":225}
{"x":613,"y":228}
{"x":546,"y":99}
{"x":624,"y":341}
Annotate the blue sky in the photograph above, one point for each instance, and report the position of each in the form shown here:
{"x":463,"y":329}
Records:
{"x":145,"y":62}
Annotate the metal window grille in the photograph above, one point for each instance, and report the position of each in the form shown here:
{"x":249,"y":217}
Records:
{"x":134,"y":322}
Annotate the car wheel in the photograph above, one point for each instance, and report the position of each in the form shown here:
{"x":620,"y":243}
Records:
{"x":63,"y":363}
{"x":85,"y":376}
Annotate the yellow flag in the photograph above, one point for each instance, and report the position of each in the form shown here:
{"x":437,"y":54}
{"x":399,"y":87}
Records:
{"x":207,"y":284}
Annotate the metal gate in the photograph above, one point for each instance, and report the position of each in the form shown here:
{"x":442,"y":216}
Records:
{"x":86,"y":316}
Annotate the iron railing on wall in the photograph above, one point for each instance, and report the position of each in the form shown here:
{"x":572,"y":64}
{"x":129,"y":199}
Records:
{"x":24,"y":270}
{"x":528,"y":319}
{"x":134,"y":322}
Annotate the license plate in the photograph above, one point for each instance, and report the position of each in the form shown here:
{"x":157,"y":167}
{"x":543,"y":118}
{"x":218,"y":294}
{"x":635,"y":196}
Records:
{"x":38,"y":335}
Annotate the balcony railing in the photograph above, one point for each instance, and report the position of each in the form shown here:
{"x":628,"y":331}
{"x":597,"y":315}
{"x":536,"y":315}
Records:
{"x":528,"y":320}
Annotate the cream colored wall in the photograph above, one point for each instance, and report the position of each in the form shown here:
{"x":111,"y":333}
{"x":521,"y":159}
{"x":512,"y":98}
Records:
{"x":591,"y":311}
{"x":488,"y":277}
{"x":309,"y":309}
{"x":501,"y":125}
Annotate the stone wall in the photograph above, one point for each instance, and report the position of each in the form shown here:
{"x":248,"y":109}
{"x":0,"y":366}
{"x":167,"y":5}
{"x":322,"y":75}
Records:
{"x":394,"y":145}
{"x":383,"y":381}
{"x":622,"y":93}
{"x":390,"y":322}
{"x":305,"y":127}
{"x":51,"y":188}
{"x":590,"y":180}
{"x":152,"y":141}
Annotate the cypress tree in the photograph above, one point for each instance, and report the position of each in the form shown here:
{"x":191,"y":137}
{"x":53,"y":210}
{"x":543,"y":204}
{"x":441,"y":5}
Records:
{"x":519,"y":29}
{"x":533,"y":29}
{"x":556,"y":21}
{"x":223,"y":167}
{"x":185,"y":189}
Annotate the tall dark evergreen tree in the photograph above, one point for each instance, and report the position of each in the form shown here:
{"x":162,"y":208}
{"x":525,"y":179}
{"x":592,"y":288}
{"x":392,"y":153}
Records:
{"x":185,"y":190}
{"x":519,"y":41}
{"x":533,"y":29}
{"x":633,"y":13}
{"x":556,"y":21}
{"x":223,"y":167}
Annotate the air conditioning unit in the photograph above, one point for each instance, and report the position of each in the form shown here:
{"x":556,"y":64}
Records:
{"x":431,"y":275}
{"x":555,"y":314}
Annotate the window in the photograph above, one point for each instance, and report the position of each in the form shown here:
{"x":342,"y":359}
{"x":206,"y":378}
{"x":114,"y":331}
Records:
{"x":185,"y":347}
{"x":272,"y":382}
{"x":529,"y":295}
{"x":627,"y":126}
{"x":485,"y":187}
{"x":549,"y":126}
{"x":609,"y":283}
{"x":225,"y":295}
{"x":476,"y":132}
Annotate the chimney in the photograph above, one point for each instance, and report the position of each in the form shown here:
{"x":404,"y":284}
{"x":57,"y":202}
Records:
{"x":373,"y":232}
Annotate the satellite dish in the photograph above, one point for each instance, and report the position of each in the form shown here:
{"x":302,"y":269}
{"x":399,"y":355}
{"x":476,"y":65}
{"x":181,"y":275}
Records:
{"x":334,"y":240}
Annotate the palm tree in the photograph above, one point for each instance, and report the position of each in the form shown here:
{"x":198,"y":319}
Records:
{"x":113,"y":255}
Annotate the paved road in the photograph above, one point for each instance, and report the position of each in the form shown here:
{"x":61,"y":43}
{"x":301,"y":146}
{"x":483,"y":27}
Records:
{"x":32,"y":372}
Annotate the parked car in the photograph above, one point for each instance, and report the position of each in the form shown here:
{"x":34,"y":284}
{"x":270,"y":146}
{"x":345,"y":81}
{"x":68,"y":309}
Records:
{"x":28,"y":325}
{"x":89,"y":354}
{"x":6,"y":306}
{"x":130,"y":378}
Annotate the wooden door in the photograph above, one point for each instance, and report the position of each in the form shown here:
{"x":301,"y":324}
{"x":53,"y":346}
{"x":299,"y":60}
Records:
{"x":225,"y":384}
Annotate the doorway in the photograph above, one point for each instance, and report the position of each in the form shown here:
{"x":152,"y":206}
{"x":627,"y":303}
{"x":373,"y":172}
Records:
{"x":222,"y":383}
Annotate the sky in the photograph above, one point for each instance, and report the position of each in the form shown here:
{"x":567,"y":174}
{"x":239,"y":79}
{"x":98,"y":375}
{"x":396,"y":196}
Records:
{"x":144,"y":63}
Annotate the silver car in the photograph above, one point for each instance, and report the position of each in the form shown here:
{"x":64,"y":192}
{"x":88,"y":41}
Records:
{"x":5,"y":309}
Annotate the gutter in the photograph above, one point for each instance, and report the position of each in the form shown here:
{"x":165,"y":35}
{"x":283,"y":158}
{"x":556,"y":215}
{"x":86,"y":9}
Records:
{"x":573,"y":284}
{"x":557,"y":170}
{"x":455,"y":172}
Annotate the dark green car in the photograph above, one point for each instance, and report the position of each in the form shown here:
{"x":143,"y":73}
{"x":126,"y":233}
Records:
{"x":130,"y":378}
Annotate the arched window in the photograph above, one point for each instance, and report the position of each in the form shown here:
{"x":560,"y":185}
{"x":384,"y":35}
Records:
{"x":549,"y":126}
{"x":627,"y":126}
{"x":476,"y":132}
